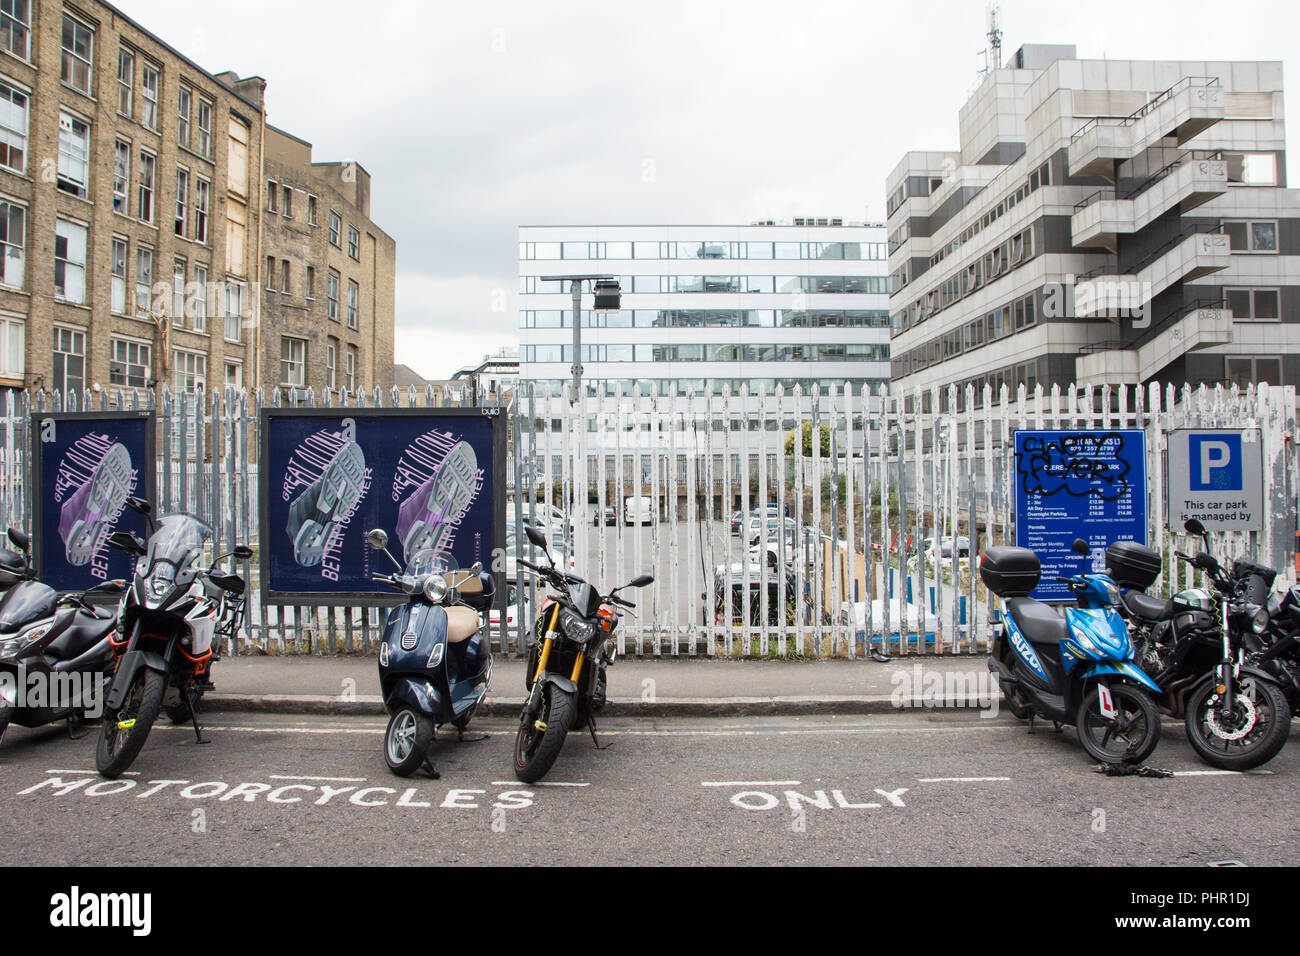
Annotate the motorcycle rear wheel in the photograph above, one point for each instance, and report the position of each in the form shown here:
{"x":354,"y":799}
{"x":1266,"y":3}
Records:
{"x":1263,"y":741}
{"x":536,"y":748}
{"x":119,"y":746}
{"x":1128,"y":738}
{"x":6,"y":715}
{"x":407,"y":741}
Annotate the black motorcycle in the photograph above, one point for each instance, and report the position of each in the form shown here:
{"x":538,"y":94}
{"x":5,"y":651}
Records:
{"x":55,"y":656}
{"x":1278,"y":648}
{"x":571,"y":650}
{"x":1196,"y":646}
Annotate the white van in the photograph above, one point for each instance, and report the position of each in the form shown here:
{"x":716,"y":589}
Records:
{"x":638,"y":510}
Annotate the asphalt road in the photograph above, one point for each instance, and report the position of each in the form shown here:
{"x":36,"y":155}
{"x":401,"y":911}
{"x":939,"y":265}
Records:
{"x":911,"y":788}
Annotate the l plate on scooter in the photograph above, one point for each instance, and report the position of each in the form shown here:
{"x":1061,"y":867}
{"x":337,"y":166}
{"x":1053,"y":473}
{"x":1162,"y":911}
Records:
{"x":1104,"y":700}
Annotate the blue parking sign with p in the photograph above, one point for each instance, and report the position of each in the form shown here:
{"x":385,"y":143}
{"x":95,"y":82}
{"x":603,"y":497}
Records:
{"x":1215,"y":462}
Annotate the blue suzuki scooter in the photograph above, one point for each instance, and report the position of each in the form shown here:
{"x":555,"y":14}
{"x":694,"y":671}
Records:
{"x":435,"y":662}
{"x":1077,"y":669}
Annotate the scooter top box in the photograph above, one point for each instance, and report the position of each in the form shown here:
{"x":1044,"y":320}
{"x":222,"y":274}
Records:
{"x":1010,"y":572}
{"x":1132,"y":565}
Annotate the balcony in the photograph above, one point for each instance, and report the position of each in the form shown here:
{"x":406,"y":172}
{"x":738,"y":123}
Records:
{"x":1186,"y":183}
{"x":1204,"y":324}
{"x":1182,"y":259}
{"x":1187,"y":108}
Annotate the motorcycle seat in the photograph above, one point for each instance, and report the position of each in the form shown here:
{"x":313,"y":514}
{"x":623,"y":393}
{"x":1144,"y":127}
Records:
{"x":462,"y":624}
{"x":1145,"y":606}
{"x":1037,"y":621}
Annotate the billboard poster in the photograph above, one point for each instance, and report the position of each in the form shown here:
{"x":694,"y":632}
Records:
{"x":433,"y":479}
{"x":1089,"y":484}
{"x":84,"y":467}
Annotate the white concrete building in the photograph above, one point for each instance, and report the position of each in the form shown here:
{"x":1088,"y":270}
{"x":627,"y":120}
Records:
{"x":708,"y":306}
{"x":1103,"y":221}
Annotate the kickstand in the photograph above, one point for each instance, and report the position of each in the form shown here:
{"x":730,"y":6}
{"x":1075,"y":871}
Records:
{"x":1031,"y":723}
{"x":591,"y":725}
{"x":431,"y":769}
{"x":75,"y":722}
{"x":194,"y":717}
{"x":1059,"y":726}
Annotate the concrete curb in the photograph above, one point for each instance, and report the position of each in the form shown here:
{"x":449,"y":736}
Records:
{"x":617,"y":707}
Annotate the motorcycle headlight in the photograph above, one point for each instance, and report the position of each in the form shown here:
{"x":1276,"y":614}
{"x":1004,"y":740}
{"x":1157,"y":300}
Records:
{"x":435,"y":588}
{"x":16,"y":645}
{"x":162,"y":580}
{"x":1258,"y":618}
{"x":1112,"y":593}
{"x":575,"y":628}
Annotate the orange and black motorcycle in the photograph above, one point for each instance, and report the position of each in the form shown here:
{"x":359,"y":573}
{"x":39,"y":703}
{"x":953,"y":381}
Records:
{"x":571,"y":648}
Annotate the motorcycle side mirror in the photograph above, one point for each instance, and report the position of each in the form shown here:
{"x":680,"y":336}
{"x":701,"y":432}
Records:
{"x":641,"y":580}
{"x":20,"y":539}
{"x":535,"y":536}
{"x":243,"y":552}
{"x":140,"y":506}
{"x":377,"y":538}
{"x":1080,"y":547}
{"x":126,"y":541}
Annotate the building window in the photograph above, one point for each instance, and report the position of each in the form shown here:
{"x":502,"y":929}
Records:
{"x":331,"y":362}
{"x":332,"y":296}
{"x":78,"y":41}
{"x":284,"y":276}
{"x":144,"y":203}
{"x":15,"y":27}
{"x":69,"y":361}
{"x":270,"y":273}
{"x":1252,"y":235}
{"x":235,"y":374}
{"x":199,"y":298}
{"x":118,"y":294}
{"x":178,"y":293}
{"x":1253,"y":303}
{"x":287,"y":203}
{"x":129,"y":364}
{"x":201,"y":190}
{"x":149,"y":96}
{"x":144,"y":281}
{"x":311,"y":282}
{"x":13,"y":347}
{"x":70,"y":262}
{"x":189,"y":371}
{"x":183,"y":100}
{"x":13,"y":231}
{"x":234,"y":310}
{"x":272,"y":196}
{"x":350,"y":372}
{"x":182,"y":199}
{"x":13,"y":128}
{"x":125,"y":81}
{"x":336,"y":229}
{"x":1244,"y":372}
{"x":74,"y":154}
{"x":354,"y":243}
{"x":311,"y":210}
{"x":293,"y":362}
{"x":205,"y":127}
{"x":354,"y":298}
{"x":121,"y":176}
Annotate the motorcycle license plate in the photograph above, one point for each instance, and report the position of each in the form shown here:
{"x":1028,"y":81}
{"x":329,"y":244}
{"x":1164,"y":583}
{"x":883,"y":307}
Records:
{"x":1105,"y":701}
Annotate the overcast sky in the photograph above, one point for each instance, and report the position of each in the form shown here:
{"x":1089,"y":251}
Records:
{"x":474,"y":118}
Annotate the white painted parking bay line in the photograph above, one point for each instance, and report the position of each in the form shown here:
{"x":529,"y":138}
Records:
{"x":749,"y":783}
{"x":125,"y":773}
{"x":277,"y":776}
{"x":962,"y":779}
{"x":544,"y":783}
{"x":1221,"y":773}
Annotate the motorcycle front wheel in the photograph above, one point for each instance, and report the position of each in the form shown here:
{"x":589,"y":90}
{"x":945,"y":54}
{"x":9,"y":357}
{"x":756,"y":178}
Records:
{"x":1128,"y":737}
{"x":407,"y":741}
{"x":6,"y":714}
{"x":123,"y":734}
{"x":539,"y":740}
{"x":1248,"y":736}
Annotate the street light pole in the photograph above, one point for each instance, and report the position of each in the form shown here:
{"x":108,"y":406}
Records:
{"x":575,"y":286}
{"x":606,"y":300}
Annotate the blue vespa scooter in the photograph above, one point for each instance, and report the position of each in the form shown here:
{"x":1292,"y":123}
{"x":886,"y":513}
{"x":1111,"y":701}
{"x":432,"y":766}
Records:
{"x":435,"y":662}
{"x":1077,"y":669}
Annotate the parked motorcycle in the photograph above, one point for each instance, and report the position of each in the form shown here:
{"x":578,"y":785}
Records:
{"x":565,"y":678}
{"x":57,"y":644}
{"x":1077,"y":669}
{"x":1278,"y":651}
{"x":169,"y":625}
{"x":435,"y":661}
{"x":1195,"y":647}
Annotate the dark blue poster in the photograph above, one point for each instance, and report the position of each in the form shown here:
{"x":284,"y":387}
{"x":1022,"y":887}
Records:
{"x":433,"y":479}
{"x":1089,"y":484}
{"x":84,"y":467}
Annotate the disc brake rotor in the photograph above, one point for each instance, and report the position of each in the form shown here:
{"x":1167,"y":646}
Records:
{"x":1245,"y":707}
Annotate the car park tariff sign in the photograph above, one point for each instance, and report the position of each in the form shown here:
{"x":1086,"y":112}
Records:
{"x":433,"y":479}
{"x":84,"y":467}
{"x":1070,"y":484}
